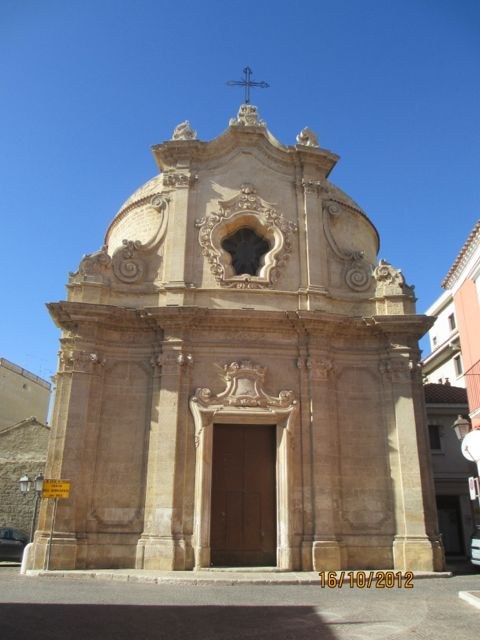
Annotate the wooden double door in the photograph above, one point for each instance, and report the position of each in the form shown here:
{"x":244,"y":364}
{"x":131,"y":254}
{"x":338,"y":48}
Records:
{"x":243,"y":518}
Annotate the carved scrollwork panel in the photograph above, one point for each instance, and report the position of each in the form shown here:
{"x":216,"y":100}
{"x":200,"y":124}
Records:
{"x":357,"y":271}
{"x":246,"y":210}
{"x":129,"y":261}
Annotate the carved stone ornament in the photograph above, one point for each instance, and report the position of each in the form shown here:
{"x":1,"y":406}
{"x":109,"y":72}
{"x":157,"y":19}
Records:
{"x":96,"y":266}
{"x":358,"y":272}
{"x":384,"y":272}
{"x":313,"y":186}
{"x":173,"y":179}
{"x":73,"y":360}
{"x":390,"y":281}
{"x":129,"y":261}
{"x":183,"y":131}
{"x":246,"y":209}
{"x":307,"y":138}
{"x":247,"y":117}
{"x":244,"y":388}
{"x":320,"y":368}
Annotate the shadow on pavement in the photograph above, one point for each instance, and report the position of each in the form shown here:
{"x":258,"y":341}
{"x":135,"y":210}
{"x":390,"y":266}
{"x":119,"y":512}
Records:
{"x":105,"y":622}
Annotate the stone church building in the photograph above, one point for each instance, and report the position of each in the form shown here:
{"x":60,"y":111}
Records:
{"x":238,"y":379}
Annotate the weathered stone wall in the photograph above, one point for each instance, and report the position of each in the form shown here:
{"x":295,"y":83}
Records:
{"x":16,"y":509}
{"x":23,"y":450}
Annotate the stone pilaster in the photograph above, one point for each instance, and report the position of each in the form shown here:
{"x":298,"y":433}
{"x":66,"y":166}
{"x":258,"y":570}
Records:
{"x":79,"y":369}
{"x":163,"y":544}
{"x":326,"y":553}
{"x":412,"y":548}
{"x":317,"y":254}
{"x":178,"y":240}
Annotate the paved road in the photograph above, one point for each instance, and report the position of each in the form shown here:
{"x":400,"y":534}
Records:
{"x":46,"y":608}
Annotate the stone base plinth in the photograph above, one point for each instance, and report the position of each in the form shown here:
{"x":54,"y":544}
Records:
{"x":165,"y":554}
{"x":417,"y":553}
{"x":326,"y":555}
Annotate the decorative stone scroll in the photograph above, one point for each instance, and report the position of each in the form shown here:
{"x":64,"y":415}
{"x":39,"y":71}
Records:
{"x":246,"y":209}
{"x":358,"y":272}
{"x":128,"y":264}
{"x":247,"y":117}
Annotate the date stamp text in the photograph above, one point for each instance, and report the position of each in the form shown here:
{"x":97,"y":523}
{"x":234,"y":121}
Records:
{"x":366,"y":579}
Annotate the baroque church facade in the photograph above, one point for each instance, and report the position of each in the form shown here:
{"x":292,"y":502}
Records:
{"x":238,"y":379}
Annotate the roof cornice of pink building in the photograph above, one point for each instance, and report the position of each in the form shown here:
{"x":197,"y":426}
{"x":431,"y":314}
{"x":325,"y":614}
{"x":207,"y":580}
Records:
{"x":464,"y":256}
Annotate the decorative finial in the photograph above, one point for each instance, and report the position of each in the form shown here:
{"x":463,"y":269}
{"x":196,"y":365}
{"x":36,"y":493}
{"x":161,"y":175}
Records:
{"x":183,"y":131}
{"x":247,"y":117}
{"x":247,"y":83}
{"x":308,"y":138}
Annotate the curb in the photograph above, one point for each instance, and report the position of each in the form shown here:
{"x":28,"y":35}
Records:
{"x":193,"y":578}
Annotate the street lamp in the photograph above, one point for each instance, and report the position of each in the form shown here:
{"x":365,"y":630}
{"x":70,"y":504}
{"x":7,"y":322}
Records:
{"x":461,"y":426}
{"x":25,"y":486}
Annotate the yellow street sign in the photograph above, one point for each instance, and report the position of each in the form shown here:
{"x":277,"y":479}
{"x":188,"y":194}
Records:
{"x":56,"y":488}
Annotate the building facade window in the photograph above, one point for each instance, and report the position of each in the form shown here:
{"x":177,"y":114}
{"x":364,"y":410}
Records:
{"x":451,"y":322}
{"x":434,"y":437}
{"x":247,"y":250}
{"x":457,"y":361}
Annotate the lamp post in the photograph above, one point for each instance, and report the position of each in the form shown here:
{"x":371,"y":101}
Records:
{"x":461,"y":426}
{"x":25,"y":486}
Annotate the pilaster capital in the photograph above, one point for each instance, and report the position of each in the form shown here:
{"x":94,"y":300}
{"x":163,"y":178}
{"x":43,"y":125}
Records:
{"x":73,"y":360}
{"x":320,"y":369}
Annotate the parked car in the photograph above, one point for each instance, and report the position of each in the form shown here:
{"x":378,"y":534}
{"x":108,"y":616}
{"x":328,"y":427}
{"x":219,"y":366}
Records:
{"x":475,"y":548}
{"x":12,"y":544}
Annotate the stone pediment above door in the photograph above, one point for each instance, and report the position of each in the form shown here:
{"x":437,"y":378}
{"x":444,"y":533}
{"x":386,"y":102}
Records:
{"x":243,"y":396}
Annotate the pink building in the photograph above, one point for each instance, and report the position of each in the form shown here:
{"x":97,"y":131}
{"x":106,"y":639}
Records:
{"x":463,"y":282}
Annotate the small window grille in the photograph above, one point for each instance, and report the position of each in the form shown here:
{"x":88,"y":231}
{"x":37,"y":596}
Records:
{"x":247,"y":249}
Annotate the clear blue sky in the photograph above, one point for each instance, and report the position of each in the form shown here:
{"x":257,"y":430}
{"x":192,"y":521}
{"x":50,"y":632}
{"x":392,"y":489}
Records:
{"x":86,"y":86}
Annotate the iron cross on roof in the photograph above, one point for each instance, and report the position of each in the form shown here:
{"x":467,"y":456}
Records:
{"x":247,"y":83}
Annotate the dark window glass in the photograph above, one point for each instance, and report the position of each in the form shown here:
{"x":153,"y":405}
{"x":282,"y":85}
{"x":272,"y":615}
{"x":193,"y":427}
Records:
{"x":247,"y":249}
{"x":458,"y":365}
{"x":434,"y":436}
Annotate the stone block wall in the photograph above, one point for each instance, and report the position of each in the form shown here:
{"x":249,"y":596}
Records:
{"x":23,"y":451}
{"x":16,"y":509}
